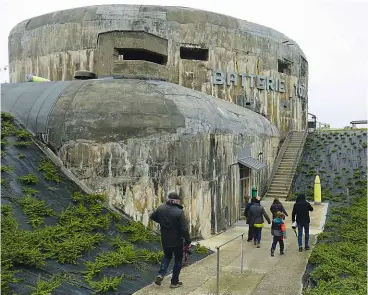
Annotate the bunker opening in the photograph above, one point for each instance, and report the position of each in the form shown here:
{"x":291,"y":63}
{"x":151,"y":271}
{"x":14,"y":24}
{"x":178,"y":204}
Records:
{"x":141,"y":54}
{"x":284,"y":67}
{"x":194,"y":53}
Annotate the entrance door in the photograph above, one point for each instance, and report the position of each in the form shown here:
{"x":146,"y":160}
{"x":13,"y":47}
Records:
{"x":245,"y":187}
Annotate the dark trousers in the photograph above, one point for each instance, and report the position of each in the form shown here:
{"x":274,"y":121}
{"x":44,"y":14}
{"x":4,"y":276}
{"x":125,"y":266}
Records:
{"x":168,"y":254}
{"x":257,"y":234}
{"x":279,"y":240}
{"x":300,"y":234}
{"x":250,"y":233}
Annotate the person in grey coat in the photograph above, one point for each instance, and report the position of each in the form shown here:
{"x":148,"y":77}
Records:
{"x":255,"y":218}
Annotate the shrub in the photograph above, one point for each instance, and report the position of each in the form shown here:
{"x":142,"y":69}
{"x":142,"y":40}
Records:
{"x":107,"y":284}
{"x":5,"y":168}
{"x":28,"y":179}
{"x":50,"y":172}
{"x":46,"y":287}
{"x":35,"y":210}
{"x":137,"y":231}
{"x":23,"y":134}
{"x":23,"y":143}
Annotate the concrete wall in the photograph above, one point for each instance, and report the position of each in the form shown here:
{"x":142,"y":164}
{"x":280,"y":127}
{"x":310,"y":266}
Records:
{"x":57,"y":44}
{"x":138,"y":140}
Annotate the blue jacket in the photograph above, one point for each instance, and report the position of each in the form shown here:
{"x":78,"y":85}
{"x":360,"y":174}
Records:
{"x":277,"y":228}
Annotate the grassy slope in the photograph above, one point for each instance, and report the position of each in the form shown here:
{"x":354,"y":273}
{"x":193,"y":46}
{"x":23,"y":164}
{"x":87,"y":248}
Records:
{"x":338,"y":262}
{"x":57,"y":240}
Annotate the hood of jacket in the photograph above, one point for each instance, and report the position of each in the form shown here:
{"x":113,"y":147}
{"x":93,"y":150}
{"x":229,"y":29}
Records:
{"x":300,"y":198}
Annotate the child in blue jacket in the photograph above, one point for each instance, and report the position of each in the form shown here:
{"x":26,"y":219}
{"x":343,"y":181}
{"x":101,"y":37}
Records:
{"x":278,"y":230}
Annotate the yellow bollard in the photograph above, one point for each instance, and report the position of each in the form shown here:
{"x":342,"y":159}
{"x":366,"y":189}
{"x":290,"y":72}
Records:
{"x":317,"y":191}
{"x":31,"y":78}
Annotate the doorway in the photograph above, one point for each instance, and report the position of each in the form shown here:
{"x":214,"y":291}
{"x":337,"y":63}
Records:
{"x":245,"y":186}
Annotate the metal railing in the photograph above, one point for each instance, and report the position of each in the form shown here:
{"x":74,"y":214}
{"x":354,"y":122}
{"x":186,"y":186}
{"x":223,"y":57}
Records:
{"x":218,"y":259}
{"x":278,"y":159}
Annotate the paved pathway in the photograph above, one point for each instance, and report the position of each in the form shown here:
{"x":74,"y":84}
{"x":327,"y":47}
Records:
{"x":262,"y":273}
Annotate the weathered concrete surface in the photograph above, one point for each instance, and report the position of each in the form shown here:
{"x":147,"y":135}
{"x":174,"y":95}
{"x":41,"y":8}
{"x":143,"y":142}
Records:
{"x":263,"y":274}
{"x":138,"y":140}
{"x":56,"y":44}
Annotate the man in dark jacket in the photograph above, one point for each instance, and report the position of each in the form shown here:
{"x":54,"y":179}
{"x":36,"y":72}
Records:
{"x":301,"y":210}
{"x":174,"y":229}
{"x":255,"y":219}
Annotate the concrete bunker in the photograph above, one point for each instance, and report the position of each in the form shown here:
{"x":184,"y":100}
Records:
{"x":131,"y":53}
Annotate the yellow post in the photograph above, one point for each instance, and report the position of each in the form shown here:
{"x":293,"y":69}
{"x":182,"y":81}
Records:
{"x":317,"y":191}
{"x":31,"y":78}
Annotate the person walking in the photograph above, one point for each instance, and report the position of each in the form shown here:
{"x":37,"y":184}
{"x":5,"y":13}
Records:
{"x":278,"y":230}
{"x":174,"y":230}
{"x":300,"y":214}
{"x":251,"y":228}
{"x":255,"y":217}
{"x":276,"y":207}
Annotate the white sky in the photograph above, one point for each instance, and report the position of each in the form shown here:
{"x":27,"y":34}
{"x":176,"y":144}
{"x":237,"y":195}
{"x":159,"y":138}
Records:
{"x":333,"y":35}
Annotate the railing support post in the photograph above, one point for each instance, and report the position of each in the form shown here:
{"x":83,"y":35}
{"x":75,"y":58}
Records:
{"x":218,"y":272}
{"x":241,"y":253}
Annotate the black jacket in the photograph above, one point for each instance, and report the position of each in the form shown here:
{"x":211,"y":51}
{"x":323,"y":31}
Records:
{"x":173,"y":225}
{"x":277,"y":207}
{"x":301,"y":210}
{"x":256,"y":213}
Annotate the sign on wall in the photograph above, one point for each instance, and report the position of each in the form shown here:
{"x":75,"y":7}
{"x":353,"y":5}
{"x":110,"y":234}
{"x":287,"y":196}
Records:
{"x":258,"y":81}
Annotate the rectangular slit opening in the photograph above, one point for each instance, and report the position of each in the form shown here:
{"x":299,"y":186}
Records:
{"x":284,"y":67}
{"x":193,"y":53}
{"x":140,"y":54}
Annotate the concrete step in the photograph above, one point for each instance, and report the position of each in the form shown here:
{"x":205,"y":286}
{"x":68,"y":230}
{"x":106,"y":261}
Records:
{"x":283,"y":178}
{"x":279,"y":196}
{"x":289,"y":156}
{"x":284,"y":170}
{"x":278,"y":192}
{"x":280,"y":174}
{"x":277,"y":189}
{"x":282,"y":195}
{"x":286,"y":163}
{"x":278,"y":182}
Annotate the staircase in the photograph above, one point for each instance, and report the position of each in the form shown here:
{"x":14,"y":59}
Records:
{"x":285,"y":167}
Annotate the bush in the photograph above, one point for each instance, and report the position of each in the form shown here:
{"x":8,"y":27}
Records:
{"x":137,"y":231}
{"x":28,"y":179}
{"x":50,"y":172}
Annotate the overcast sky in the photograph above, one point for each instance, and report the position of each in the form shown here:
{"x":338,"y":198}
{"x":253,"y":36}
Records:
{"x":332,"y":34}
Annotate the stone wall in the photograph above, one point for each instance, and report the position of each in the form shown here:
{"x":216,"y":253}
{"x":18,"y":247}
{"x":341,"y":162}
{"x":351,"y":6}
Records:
{"x":57,"y":44}
{"x":139,"y":173}
{"x":139,"y":140}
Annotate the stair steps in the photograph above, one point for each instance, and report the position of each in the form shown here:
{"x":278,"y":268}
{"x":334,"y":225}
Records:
{"x":284,"y":175}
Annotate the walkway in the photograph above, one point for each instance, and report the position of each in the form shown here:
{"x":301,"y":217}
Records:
{"x":262,"y":273}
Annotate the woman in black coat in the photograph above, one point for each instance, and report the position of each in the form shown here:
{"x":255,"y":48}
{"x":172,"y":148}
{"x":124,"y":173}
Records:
{"x":277,"y":206}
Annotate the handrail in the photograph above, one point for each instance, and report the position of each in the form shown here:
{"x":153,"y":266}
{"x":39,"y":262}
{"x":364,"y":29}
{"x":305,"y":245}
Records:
{"x":218,"y":259}
{"x":278,"y":159}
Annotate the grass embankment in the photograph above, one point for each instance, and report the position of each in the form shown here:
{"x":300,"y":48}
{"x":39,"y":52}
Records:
{"x":78,"y":244}
{"x":338,"y":263}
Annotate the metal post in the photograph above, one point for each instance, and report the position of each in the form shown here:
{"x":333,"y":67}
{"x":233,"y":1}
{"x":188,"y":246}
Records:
{"x":347,"y":192}
{"x":241,"y":253}
{"x":218,"y":272}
